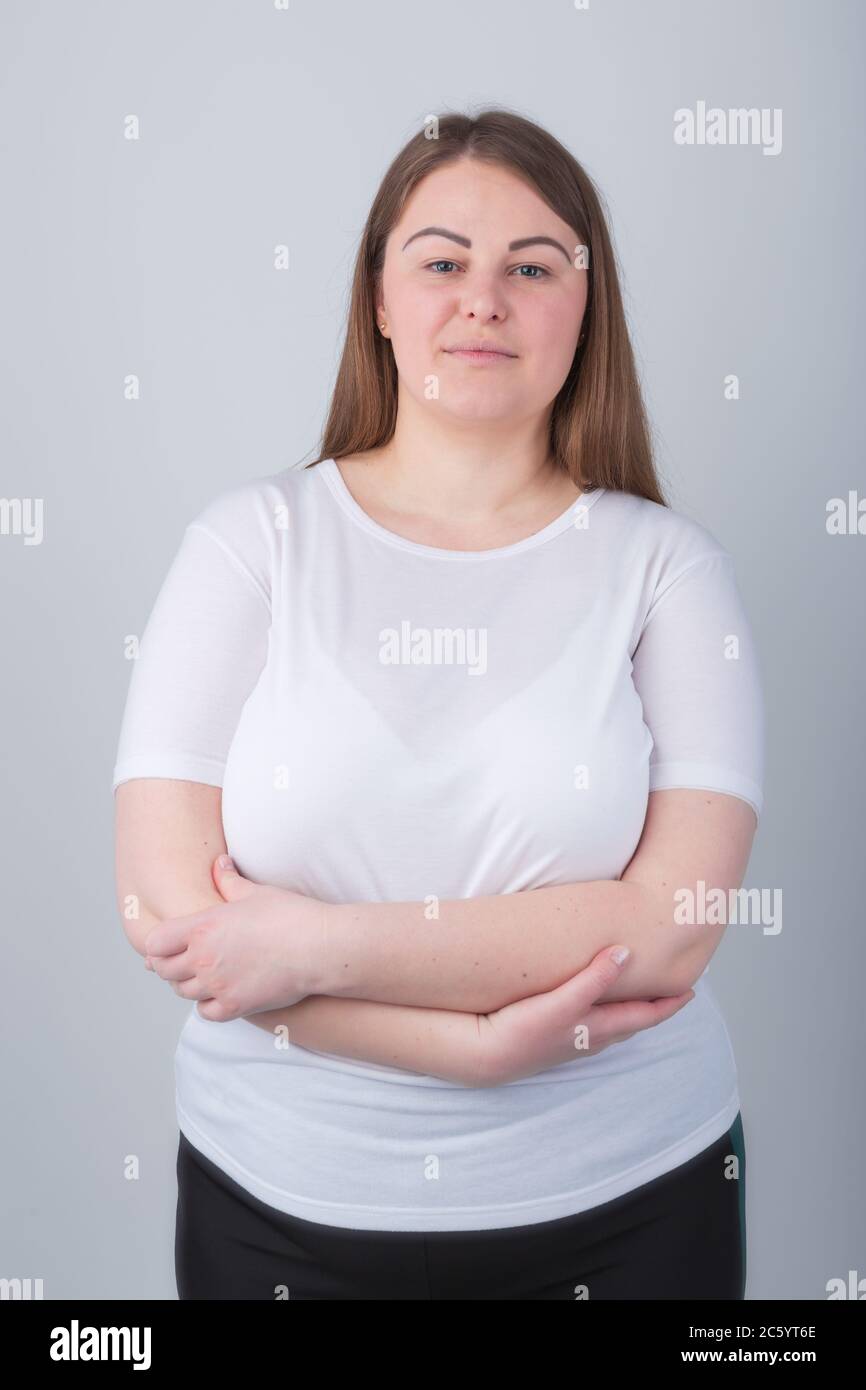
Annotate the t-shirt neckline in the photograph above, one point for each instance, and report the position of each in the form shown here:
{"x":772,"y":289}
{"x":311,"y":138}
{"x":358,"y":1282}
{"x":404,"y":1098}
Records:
{"x":332,"y":476}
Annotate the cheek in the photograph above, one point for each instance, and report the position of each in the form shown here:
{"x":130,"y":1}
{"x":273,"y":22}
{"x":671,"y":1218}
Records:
{"x":553,"y":330}
{"x":557,"y":319}
{"x":418,"y":322}
{"x":416,"y":314}
{"x":416,"y":308}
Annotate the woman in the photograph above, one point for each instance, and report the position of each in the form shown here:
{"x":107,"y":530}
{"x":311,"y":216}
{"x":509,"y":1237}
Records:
{"x":468,"y":653}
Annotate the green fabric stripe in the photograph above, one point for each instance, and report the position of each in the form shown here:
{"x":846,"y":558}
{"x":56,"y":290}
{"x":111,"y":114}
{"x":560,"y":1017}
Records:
{"x":738,"y":1146}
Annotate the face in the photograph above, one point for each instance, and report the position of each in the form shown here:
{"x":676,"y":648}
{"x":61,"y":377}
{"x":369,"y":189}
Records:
{"x":465,"y":283}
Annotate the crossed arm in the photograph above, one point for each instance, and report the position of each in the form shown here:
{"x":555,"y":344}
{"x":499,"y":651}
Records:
{"x":404,"y":988}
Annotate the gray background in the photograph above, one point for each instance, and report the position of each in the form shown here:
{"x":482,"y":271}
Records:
{"x":261,"y":127}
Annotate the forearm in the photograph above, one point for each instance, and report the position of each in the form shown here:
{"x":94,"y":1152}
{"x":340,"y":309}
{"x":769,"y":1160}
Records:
{"x":167,"y":835}
{"x":432,"y":1042}
{"x":482,"y":953}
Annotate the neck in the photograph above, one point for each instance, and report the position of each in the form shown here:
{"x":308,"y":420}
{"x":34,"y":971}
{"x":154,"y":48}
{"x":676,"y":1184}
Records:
{"x":445,"y":470}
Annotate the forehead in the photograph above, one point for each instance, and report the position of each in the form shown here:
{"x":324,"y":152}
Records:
{"x":474,"y":198}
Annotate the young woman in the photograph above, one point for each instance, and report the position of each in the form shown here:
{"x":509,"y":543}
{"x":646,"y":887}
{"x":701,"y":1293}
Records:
{"x":475,"y":713}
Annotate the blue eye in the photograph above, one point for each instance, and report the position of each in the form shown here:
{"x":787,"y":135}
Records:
{"x":542,"y":273}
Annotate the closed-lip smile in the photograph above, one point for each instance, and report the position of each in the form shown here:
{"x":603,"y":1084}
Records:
{"x":477,"y":347}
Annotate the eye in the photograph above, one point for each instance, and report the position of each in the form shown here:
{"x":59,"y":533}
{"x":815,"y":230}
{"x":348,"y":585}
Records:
{"x":541,"y":274}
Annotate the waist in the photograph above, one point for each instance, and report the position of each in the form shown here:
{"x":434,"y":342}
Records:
{"x":351,"y":1144}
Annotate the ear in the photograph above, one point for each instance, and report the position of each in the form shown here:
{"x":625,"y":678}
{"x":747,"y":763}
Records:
{"x":229,"y":882}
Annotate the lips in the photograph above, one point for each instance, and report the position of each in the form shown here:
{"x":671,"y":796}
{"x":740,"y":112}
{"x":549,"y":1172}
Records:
{"x":481,"y":346}
{"x":479,"y":350}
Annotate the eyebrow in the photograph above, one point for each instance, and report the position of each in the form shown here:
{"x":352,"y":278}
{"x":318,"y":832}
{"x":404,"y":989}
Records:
{"x":512,"y":245}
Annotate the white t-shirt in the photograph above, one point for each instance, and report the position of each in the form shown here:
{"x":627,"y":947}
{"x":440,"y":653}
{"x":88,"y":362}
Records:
{"x":390,"y":720}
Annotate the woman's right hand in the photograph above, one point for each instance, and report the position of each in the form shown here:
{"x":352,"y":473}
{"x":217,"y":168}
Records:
{"x":565,"y":1023}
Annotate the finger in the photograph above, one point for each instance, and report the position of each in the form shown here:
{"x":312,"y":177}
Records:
{"x":676,"y":1002}
{"x":633,"y":1015}
{"x":190,"y":989}
{"x":214,"y":1011}
{"x":669,"y":1005}
{"x":177,"y":967}
{"x":230,"y":883}
{"x":172,"y":935}
{"x":582,"y":990}
{"x":564,"y":1007}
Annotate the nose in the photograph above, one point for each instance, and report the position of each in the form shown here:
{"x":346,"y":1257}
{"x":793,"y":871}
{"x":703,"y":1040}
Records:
{"x":483,"y":300}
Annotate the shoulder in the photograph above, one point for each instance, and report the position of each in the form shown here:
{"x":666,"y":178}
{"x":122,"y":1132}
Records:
{"x":244,"y":526}
{"x":663,"y":559}
{"x":250,"y":515}
{"x":656,"y":539}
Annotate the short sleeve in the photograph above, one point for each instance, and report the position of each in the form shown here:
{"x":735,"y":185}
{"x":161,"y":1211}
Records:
{"x":696,"y":671}
{"x":201,"y":653}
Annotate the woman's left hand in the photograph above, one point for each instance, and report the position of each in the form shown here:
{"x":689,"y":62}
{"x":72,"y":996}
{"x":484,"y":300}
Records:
{"x":257,"y":950}
{"x":566,"y":1023}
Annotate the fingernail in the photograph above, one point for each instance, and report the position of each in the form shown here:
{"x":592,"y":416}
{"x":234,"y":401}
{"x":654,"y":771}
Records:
{"x":225,"y":862}
{"x":621,"y":954}
{"x":147,"y":963}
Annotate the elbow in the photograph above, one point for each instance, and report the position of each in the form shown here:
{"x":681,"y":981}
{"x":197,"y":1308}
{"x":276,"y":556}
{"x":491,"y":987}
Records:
{"x":135,"y":934}
{"x":137,"y":921}
{"x":684,"y":973}
{"x":676,"y":953}
{"x":690,"y":963}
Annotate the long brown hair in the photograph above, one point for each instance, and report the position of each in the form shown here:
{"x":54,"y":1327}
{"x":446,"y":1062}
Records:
{"x":599,"y":432}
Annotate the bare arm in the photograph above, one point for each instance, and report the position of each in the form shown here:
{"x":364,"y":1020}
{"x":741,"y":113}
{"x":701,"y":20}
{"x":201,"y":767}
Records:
{"x":481,"y":954}
{"x":167,"y":834}
{"x":434,"y":1042}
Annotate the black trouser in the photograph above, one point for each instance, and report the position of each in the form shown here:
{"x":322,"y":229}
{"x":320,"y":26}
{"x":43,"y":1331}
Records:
{"x":681,"y":1236}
